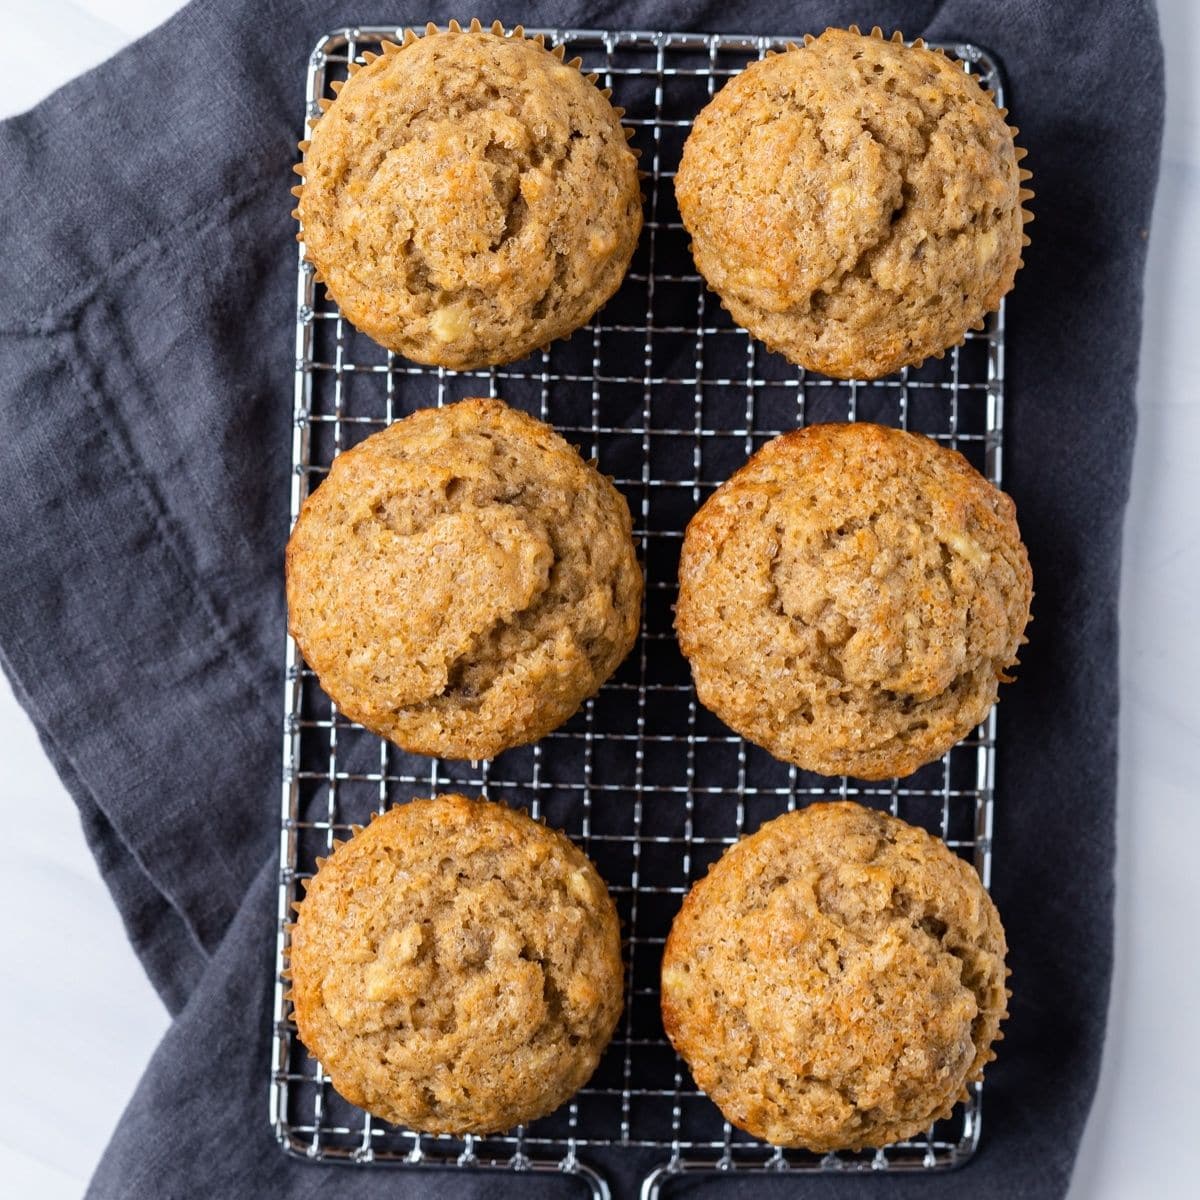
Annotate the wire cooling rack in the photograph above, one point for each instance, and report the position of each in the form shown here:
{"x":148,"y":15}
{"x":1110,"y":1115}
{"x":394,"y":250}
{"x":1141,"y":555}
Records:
{"x":670,"y":397}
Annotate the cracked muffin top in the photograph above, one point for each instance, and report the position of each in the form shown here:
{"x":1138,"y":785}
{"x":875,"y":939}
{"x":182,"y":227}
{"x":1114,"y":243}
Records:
{"x":836,"y":979}
{"x":851,"y":598}
{"x":469,"y":197}
{"x":456,"y":967}
{"x":855,"y":203}
{"x":462,"y":580}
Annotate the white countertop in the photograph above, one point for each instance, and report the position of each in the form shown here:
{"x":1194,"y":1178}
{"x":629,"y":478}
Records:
{"x":81,"y":1020}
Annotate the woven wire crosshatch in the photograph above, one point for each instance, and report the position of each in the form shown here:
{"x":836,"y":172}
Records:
{"x":670,"y":397}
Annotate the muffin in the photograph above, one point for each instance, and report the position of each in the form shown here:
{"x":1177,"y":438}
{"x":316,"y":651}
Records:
{"x":855,"y":202}
{"x":462,"y":581}
{"x":468,"y":197}
{"x":851,"y":598}
{"x":456,"y":967}
{"x":836,"y":980}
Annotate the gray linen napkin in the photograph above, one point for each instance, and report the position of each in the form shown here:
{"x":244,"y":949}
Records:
{"x":146,"y":297}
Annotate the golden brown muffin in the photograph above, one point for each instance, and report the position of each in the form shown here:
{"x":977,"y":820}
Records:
{"x":456,"y":967}
{"x":462,"y":581}
{"x":469,"y":197}
{"x":851,"y":597}
{"x":856,"y":203}
{"x":836,"y":979}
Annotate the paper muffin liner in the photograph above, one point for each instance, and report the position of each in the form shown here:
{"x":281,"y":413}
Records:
{"x":1024,"y":194}
{"x":408,"y":36}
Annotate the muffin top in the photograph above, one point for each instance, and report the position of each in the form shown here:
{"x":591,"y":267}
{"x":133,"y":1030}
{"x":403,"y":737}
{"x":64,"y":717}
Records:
{"x":456,"y":967}
{"x":856,"y":203}
{"x":468,"y":197}
{"x":836,"y":979}
{"x":851,"y":597}
{"x":462,"y":581}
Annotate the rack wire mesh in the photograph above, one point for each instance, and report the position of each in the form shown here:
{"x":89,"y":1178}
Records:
{"x":670,"y":397}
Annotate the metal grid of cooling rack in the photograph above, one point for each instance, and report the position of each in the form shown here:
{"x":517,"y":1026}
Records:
{"x":670,"y":397}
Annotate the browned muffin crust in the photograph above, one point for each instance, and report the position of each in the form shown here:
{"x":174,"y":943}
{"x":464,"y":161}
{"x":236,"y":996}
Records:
{"x":851,"y":598}
{"x":456,"y":967}
{"x":836,"y":979}
{"x":469,"y":197}
{"x":462,"y":581}
{"x":855,"y":202}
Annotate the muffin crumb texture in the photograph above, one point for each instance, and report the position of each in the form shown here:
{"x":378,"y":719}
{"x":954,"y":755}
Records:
{"x":469,"y":197}
{"x":851,"y":598}
{"x":855,"y":202}
{"x":456,"y":967}
{"x":836,"y":980}
{"x":462,"y":581}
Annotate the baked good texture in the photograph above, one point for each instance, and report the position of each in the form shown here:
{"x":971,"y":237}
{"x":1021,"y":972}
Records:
{"x":855,"y":202}
{"x":469,"y":197}
{"x":462,"y":580}
{"x":851,"y":598}
{"x":456,"y":967}
{"x":836,"y":979}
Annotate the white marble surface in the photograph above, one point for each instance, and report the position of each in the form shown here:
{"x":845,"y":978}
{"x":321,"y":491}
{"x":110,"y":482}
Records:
{"x":80,"y":1020}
